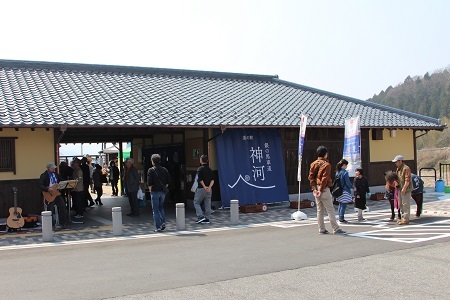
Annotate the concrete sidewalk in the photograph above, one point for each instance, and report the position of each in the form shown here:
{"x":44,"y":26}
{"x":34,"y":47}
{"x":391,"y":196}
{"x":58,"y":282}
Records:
{"x":97,"y":223}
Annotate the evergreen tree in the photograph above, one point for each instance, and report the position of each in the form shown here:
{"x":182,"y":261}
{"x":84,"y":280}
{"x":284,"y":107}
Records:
{"x":429,"y":96}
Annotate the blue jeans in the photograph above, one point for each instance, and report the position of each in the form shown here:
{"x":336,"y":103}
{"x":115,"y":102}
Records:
{"x":341,"y":210}
{"x":159,"y":215}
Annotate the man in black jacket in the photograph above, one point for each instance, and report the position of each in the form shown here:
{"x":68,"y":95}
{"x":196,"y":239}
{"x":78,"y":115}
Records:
{"x":47,"y":181}
{"x":158,"y":179}
{"x":204,"y":191}
{"x":86,"y":181}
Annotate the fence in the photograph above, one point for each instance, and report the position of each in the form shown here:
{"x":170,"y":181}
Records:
{"x":444,"y":172}
{"x":428,"y":169}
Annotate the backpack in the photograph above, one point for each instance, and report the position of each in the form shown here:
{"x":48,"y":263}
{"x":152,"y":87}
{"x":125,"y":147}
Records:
{"x":336,"y":189}
{"x":417,"y":184}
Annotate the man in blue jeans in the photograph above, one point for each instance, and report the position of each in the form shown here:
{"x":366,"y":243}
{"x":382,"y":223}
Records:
{"x":204,"y":191}
{"x":158,"y":178}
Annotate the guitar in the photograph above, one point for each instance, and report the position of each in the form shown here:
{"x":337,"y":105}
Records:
{"x":15,"y":219}
{"x":51,"y":197}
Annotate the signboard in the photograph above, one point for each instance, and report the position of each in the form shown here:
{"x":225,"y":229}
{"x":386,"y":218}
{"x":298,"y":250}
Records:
{"x":352,"y":145}
{"x":251,"y":167}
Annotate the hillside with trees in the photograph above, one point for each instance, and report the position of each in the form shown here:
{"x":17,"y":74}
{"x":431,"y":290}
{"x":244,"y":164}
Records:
{"x":427,"y":95}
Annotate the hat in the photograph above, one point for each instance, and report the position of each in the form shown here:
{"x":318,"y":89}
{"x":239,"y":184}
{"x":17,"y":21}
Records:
{"x":397,"y":158}
{"x":51,"y":165}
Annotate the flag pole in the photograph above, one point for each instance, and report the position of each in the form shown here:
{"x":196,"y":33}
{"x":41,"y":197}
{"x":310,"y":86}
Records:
{"x":299,"y":185}
{"x":299,"y":215}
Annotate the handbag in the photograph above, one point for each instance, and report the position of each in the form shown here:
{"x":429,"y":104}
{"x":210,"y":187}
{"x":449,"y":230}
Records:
{"x":164,"y":187}
{"x":345,"y":198}
{"x":195,"y":184}
{"x":140,"y":194}
{"x":141,"y":198}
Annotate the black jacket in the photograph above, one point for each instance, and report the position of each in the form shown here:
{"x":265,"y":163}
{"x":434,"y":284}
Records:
{"x":44,"y":181}
{"x":86,"y":174}
{"x":362,"y":186}
{"x":114,"y":173}
{"x":157,"y":178}
{"x":97,"y":178}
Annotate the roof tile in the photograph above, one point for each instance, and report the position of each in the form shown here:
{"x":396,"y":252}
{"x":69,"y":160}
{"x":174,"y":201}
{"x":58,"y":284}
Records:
{"x":53,"y":94}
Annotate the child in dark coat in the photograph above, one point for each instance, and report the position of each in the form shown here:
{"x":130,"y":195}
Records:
{"x":361,"y":189}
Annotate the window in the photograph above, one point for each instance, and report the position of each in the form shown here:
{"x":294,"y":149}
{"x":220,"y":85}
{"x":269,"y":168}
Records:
{"x":8,"y":154}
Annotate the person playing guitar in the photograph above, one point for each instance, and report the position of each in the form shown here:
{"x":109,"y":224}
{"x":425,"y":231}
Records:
{"x":48,"y":182}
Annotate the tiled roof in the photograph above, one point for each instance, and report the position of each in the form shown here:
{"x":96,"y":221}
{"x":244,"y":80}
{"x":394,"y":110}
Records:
{"x":34,"y":94}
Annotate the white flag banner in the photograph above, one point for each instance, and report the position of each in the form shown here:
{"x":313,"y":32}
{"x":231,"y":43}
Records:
{"x":352,"y":145}
{"x":301,"y":142}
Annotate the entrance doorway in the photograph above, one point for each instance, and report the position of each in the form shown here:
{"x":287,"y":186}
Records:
{"x":173,"y":159}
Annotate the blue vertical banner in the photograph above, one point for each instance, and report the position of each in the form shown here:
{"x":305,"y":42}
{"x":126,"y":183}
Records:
{"x":251,"y":167}
{"x":352,"y":145}
{"x":301,"y":142}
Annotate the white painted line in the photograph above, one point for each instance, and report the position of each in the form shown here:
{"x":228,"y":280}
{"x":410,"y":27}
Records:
{"x":409,"y":233}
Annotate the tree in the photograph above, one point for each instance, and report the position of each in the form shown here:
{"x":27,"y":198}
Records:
{"x":428,"y":96}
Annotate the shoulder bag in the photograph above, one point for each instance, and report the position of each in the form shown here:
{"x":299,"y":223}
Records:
{"x":164,"y":187}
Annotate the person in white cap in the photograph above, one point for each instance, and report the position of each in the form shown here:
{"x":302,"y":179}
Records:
{"x":47,"y":182}
{"x":405,"y":186}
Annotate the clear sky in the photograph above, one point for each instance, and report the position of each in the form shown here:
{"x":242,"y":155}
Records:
{"x":351,"y":47}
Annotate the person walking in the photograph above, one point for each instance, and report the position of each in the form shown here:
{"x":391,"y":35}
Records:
{"x":86,"y":182}
{"x":132,"y":186}
{"x":347,"y":187}
{"x":98,"y":185}
{"x":91,"y":172}
{"x":320,"y":181}
{"x":361,"y":189}
{"x":158,"y":178}
{"x":204,"y":191}
{"x":78,"y":191}
{"x":114,"y":177}
{"x":405,"y":186}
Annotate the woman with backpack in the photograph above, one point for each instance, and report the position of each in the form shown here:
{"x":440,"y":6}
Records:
{"x":347,"y":187}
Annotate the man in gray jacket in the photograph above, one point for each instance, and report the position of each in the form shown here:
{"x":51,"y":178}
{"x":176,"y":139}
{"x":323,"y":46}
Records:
{"x":132,"y":186}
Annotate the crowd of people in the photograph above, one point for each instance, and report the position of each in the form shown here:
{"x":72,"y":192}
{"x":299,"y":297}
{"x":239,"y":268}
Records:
{"x":399,"y":188}
{"x":91,"y":177}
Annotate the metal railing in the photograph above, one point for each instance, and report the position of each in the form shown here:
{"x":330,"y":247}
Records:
{"x":444,"y":172}
{"x":422,"y":176}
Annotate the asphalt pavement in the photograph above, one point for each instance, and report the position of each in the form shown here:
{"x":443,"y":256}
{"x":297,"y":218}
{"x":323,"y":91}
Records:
{"x":267,"y":256}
